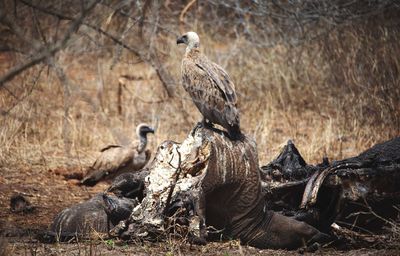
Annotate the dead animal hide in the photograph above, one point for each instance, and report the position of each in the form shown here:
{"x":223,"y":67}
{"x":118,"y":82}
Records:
{"x":98,"y":214}
{"x":223,"y":180}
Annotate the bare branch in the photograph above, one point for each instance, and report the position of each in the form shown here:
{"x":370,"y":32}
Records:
{"x":47,"y":52}
{"x":151,"y":58}
{"x":183,"y":13}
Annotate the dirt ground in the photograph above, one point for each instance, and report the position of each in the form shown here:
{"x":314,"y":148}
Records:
{"x":50,"y":192}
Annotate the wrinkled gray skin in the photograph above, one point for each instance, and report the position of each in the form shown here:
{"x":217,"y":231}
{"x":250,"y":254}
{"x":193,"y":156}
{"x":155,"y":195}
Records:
{"x":223,"y":179}
{"x":99,"y":213}
{"x":231,"y":199}
{"x":130,"y":185}
{"x":385,"y":152}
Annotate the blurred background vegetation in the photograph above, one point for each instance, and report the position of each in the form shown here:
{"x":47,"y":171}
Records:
{"x":78,"y":75}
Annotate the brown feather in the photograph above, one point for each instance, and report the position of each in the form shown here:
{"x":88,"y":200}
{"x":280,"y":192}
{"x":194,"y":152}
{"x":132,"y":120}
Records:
{"x":211,"y":89}
{"x":115,"y":160}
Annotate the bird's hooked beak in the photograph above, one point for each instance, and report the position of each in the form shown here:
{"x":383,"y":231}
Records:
{"x":148,"y":129}
{"x":143,"y":129}
{"x":181,"y":40}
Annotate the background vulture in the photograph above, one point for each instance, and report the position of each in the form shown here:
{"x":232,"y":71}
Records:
{"x":117,"y":159}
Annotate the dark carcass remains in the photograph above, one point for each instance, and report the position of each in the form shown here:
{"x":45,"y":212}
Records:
{"x":210,"y":187}
{"x":223,"y":180}
{"x":359,"y":193}
{"x":98,"y":214}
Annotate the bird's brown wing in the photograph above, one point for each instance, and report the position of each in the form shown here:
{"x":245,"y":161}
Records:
{"x":111,"y":160}
{"x":219,"y":77}
{"x":211,"y":90}
{"x":205,"y":92}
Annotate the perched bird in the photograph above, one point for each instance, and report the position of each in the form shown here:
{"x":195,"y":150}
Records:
{"x":210,"y":87}
{"x":117,"y":159}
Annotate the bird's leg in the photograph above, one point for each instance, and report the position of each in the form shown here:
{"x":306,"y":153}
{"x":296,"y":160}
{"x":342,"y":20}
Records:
{"x":203,"y":123}
{"x":198,"y":125}
{"x":207,"y":124}
{"x":200,"y":210}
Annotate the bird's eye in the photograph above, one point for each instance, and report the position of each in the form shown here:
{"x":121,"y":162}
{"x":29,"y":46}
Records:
{"x":184,"y":37}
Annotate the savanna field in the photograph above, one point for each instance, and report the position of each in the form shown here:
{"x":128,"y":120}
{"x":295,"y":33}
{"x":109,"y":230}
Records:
{"x":322,"y":73}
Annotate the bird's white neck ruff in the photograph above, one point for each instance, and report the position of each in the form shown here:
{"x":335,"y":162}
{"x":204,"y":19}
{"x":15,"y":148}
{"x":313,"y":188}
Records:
{"x":142,"y":143}
{"x":193,"y":41}
{"x":192,"y":46}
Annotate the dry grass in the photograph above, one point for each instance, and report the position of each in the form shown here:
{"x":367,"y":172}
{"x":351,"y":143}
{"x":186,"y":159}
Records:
{"x":284,"y":92}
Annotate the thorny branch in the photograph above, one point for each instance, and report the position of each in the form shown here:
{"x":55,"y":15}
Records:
{"x":48,"y":51}
{"x":30,"y":90}
{"x":66,"y":129}
{"x":149,"y":56}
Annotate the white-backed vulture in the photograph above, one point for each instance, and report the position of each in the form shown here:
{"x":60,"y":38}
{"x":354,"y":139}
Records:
{"x":117,"y":159}
{"x":210,"y":87}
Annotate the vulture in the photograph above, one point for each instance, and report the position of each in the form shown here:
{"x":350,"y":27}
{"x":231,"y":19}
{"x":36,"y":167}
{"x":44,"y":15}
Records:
{"x":210,"y":87}
{"x":118,"y":159}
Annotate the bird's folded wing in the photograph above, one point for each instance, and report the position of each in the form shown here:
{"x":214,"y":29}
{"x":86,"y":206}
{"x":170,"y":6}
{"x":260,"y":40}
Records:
{"x":220,"y":79}
{"x":113,"y":159}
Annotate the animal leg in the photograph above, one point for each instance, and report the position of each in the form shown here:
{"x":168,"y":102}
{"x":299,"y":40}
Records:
{"x":207,"y":124}
{"x":200,"y":211}
{"x":283,"y":232}
{"x":198,"y":125}
{"x":235,"y":133}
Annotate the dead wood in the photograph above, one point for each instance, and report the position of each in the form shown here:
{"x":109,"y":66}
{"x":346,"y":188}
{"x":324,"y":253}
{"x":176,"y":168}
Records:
{"x":351,"y":239}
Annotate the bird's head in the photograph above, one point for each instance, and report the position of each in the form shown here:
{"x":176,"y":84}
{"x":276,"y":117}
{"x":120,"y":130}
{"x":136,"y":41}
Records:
{"x":191,"y":39}
{"x":143,"y":129}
